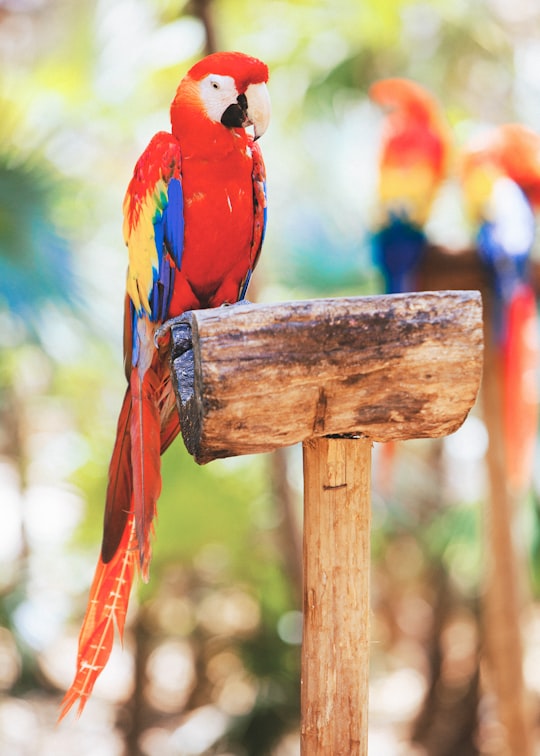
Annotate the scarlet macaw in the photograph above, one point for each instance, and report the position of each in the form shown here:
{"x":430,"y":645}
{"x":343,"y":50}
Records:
{"x":501,"y":182}
{"x":517,"y":149}
{"x":413,"y":162}
{"x":194,"y":222}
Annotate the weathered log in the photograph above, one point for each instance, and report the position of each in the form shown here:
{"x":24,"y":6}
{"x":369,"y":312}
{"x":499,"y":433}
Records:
{"x":251,"y":378}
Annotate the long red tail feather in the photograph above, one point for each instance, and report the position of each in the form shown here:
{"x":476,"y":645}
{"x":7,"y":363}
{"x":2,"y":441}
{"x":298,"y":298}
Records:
{"x":129,"y":513}
{"x":119,"y":489}
{"x":170,"y":421}
{"x":145,"y":458}
{"x":386,"y":468}
{"x":520,"y":402}
{"x":107,"y":606}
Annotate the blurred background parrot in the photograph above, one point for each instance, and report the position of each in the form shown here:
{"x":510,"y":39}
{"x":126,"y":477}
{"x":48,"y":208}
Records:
{"x":501,"y":184}
{"x":414,"y":159}
{"x":413,"y":162}
{"x":194,"y":222}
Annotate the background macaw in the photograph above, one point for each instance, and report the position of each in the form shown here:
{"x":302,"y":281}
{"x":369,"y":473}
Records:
{"x":194,"y":221}
{"x":413,"y":162}
{"x":517,"y":149}
{"x":501,"y":183}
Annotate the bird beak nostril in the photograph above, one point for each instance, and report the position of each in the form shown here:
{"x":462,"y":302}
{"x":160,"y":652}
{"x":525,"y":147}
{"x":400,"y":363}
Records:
{"x":242,"y":102}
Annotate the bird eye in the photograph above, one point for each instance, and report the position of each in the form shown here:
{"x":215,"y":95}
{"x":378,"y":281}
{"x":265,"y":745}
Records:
{"x":214,"y":84}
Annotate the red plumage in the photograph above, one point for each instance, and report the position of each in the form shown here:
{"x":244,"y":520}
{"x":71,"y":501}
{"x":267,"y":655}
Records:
{"x":244,"y":69}
{"x":109,"y":597}
{"x":145,"y":458}
{"x":501,"y":181}
{"x":415,"y":133}
{"x":517,"y":149}
{"x":194,"y":217}
{"x":520,"y":399}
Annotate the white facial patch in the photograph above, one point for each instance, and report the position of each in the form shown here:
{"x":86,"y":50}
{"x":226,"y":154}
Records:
{"x":512,"y":217}
{"x":217,"y":93}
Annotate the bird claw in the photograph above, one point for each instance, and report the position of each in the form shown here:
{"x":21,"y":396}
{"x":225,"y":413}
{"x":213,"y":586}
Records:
{"x":162,"y":335}
{"x":238,"y":302}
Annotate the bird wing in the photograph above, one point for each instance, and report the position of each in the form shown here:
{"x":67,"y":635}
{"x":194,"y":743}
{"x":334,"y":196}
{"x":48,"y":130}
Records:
{"x":505,"y":240}
{"x":259,"y":213}
{"x":154,"y":227}
{"x":154,"y":234}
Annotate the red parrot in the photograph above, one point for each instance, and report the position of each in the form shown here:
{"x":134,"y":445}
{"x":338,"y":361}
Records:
{"x":501,"y":181}
{"x":517,"y":149}
{"x":194,"y":222}
{"x":414,"y":160}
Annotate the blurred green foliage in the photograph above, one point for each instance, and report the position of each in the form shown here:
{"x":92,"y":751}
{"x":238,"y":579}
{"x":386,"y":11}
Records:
{"x":84,"y":86}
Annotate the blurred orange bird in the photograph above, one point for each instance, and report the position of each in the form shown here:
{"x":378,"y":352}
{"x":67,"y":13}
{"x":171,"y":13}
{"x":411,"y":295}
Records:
{"x":414,"y":160}
{"x":501,"y":184}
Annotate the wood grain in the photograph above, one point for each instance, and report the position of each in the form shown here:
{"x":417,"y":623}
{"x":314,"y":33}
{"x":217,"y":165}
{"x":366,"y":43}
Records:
{"x":335,"y":648}
{"x":258,"y":377}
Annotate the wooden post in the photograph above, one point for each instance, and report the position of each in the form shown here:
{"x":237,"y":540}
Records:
{"x":253,"y":378}
{"x":335,"y":650}
{"x":501,"y":605}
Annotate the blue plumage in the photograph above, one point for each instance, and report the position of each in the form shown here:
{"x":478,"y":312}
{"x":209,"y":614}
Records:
{"x":173,"y":221}
{"x":169,"y":240}
{"x":398,"y":248}
{"x":504,"y":243}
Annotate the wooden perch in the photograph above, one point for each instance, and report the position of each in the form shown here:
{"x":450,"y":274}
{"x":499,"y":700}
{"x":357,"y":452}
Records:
{"x":334,"y":374}
{"x":251,"y":378}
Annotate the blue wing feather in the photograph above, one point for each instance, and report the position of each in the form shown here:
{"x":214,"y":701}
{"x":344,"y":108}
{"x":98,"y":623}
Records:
{"x":265,"y":213}
{"x":169,"y":240}
{"x":173,"y":218}
{"x":153,"y":220}
{"x":504,"y":245}
{"x":398,"y":248}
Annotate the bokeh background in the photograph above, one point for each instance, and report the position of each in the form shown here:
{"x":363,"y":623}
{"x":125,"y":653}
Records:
{"x":210,"y":663}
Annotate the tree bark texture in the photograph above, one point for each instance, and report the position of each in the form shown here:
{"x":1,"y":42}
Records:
{"x":251,"y":378}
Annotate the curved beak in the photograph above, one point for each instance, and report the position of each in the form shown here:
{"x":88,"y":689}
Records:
{"x":258,"y":108}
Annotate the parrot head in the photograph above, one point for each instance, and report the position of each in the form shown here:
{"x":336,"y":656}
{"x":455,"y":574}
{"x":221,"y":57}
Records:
{"x":510,"y":150}
{"x":415,"y":148}
{"x":406,"y":100}
{"x":518,"y":150}
{"x":226,"y":89}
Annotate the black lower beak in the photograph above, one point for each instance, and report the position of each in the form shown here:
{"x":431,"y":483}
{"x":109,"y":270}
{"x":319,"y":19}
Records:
{"x":235,"y":116}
